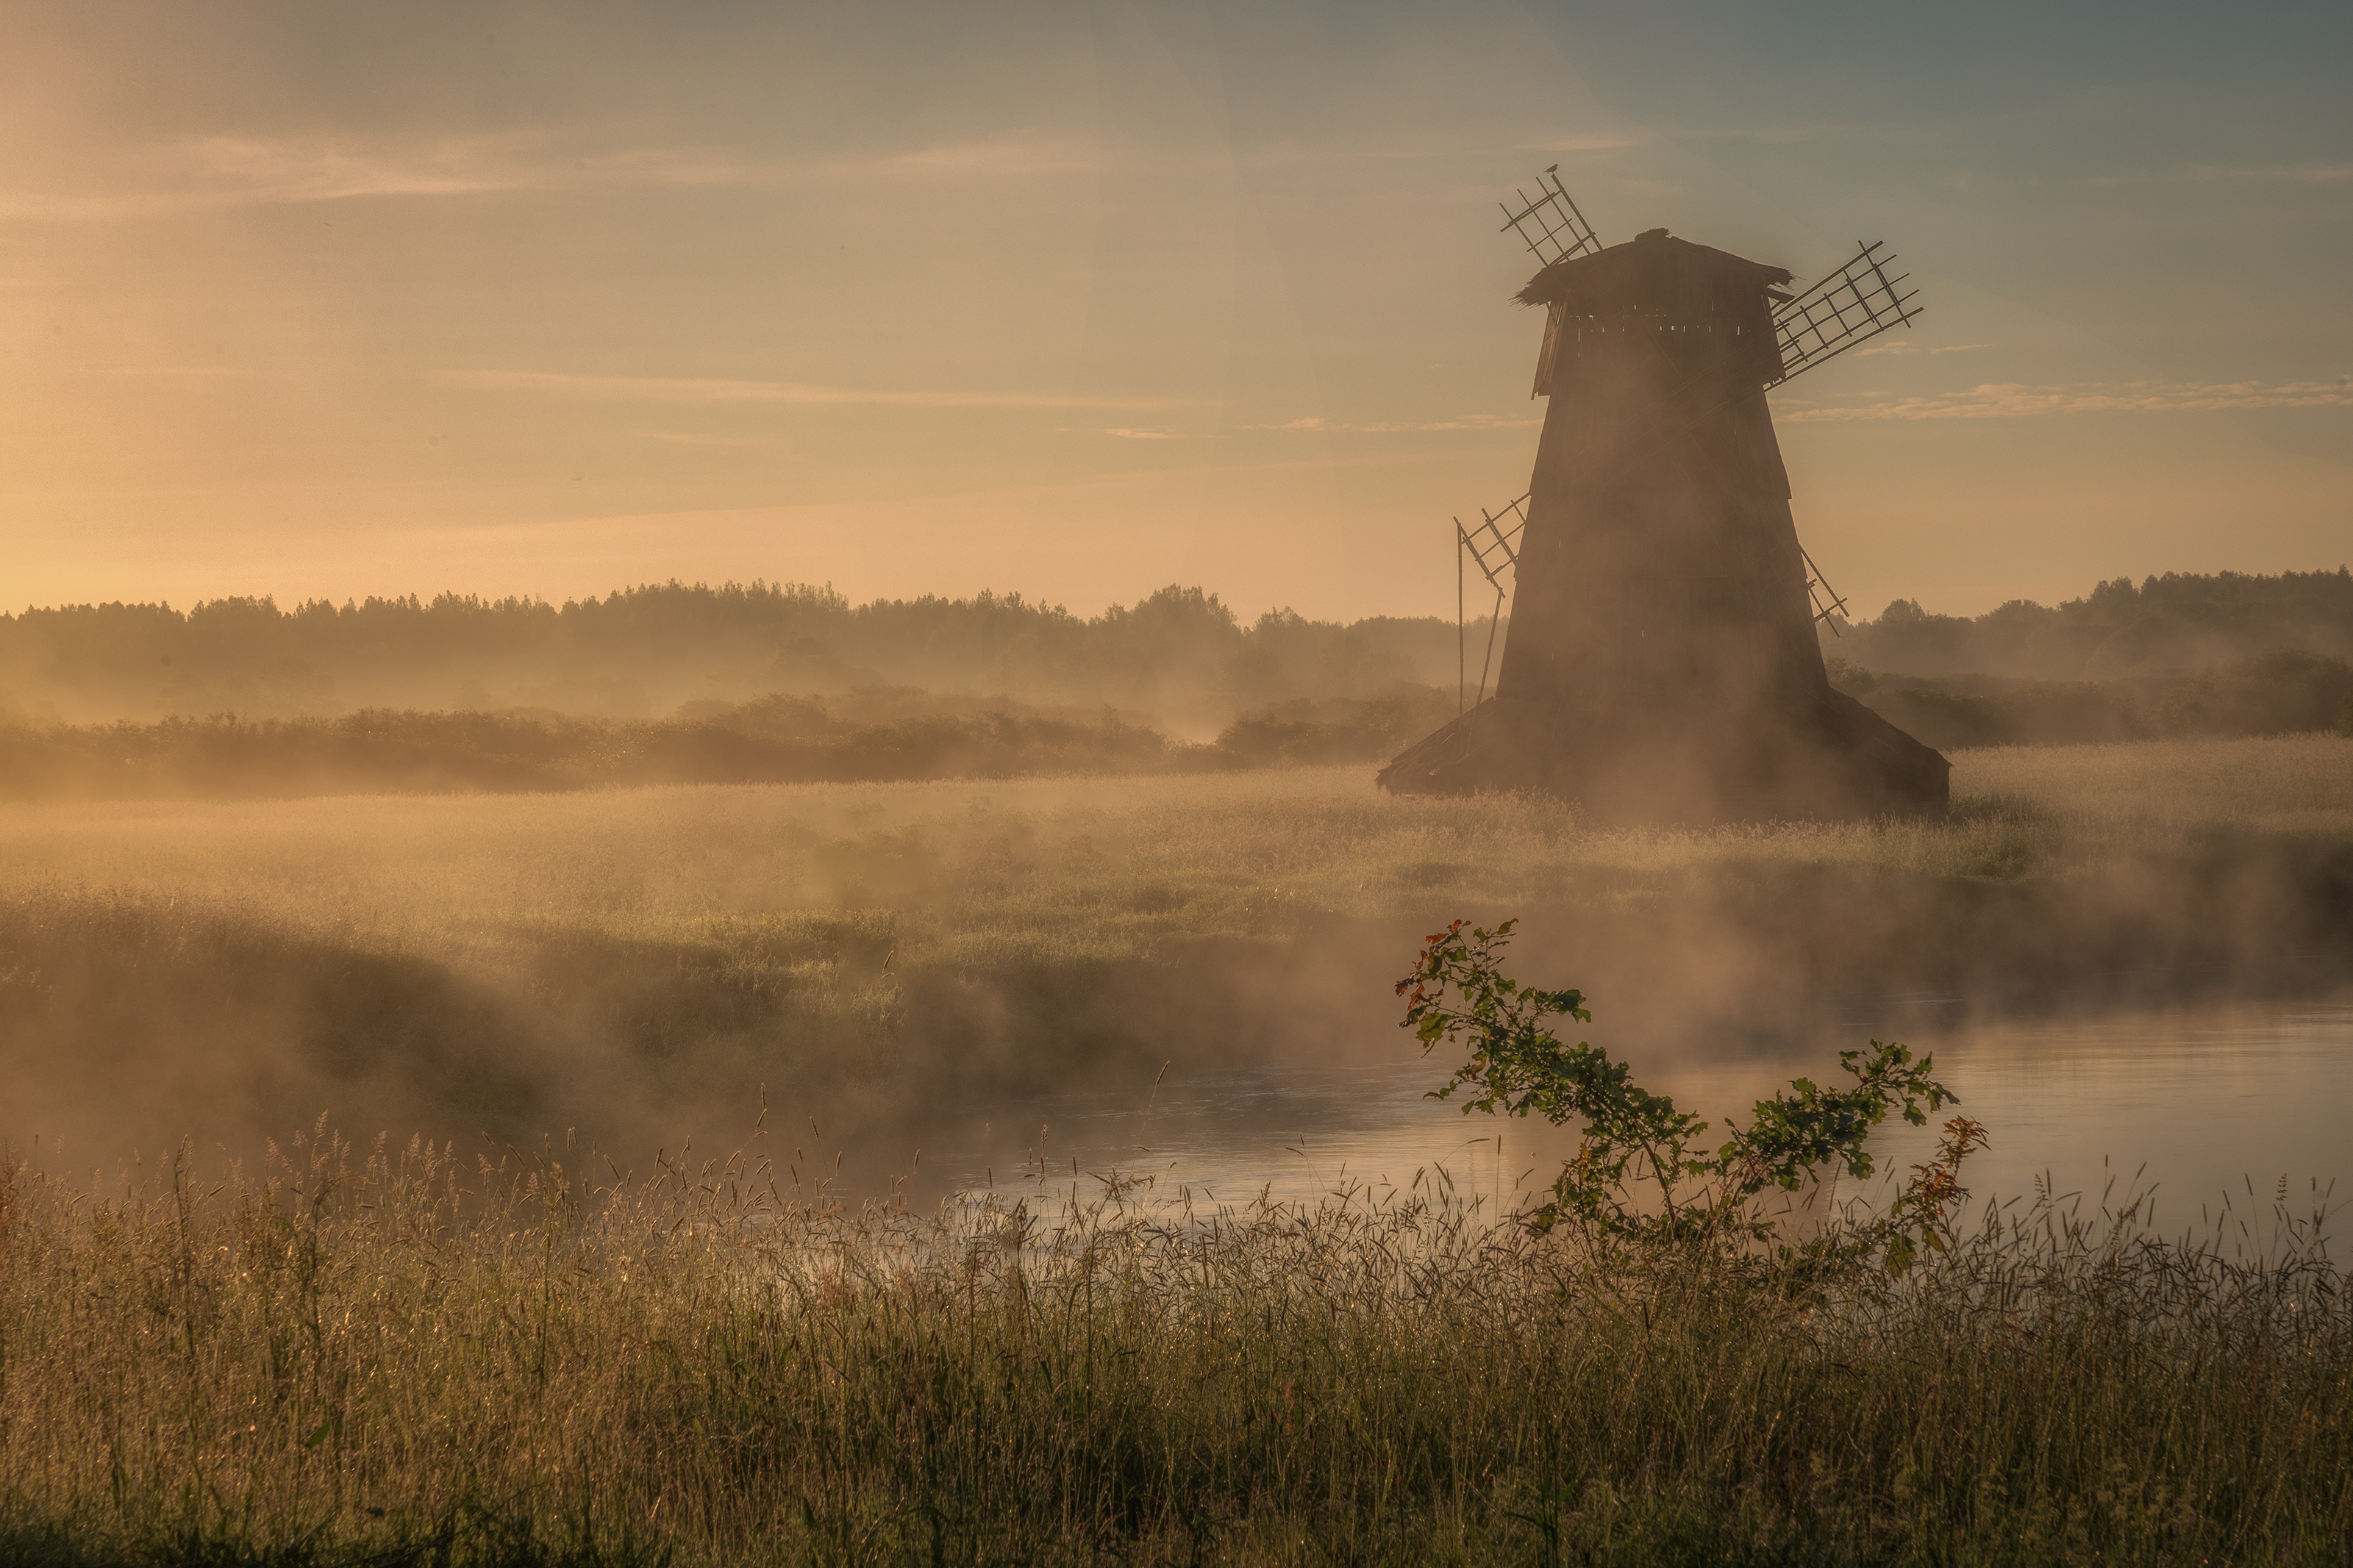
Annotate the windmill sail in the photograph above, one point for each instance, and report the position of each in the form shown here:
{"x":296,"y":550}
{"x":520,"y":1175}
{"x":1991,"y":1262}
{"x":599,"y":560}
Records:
{"x":1827,"y":601}
{"x":1849,"y":308}
{"x":1493,"y":545}
{"x":1553,"y":230}
{"x":1550,"y":226}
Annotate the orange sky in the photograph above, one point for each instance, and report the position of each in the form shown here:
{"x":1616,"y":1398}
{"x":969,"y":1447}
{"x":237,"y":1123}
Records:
{"x":1076,"y":301}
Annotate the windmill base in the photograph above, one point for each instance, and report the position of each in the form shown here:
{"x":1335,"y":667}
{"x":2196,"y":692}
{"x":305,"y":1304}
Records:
{"x":1827,"y":757}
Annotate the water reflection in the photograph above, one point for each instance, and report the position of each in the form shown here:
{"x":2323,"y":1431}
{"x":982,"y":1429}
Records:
{"x":2197,"y":1105}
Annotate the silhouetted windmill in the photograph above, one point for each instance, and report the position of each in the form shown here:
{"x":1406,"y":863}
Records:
{"x":1661,"y":661}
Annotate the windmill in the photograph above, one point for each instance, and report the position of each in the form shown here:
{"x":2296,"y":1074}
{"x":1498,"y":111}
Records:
{"x":1661,"y":661}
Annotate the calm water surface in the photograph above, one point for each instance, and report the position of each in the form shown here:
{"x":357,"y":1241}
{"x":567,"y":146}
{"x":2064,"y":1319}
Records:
{"x":2194,"y":1105}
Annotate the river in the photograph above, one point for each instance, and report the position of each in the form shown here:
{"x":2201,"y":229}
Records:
{"x":2207,"y":1109}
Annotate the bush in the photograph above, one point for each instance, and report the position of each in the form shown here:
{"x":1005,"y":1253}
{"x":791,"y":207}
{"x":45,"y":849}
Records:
{"x":1637,"y":1151}
{"x":2277,"y":693}
{"x":777,"y":740}
{"x":1308,"y":733}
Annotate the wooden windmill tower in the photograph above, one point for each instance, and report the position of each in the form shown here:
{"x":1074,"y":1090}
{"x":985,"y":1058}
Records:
{"x":1662,"y":661}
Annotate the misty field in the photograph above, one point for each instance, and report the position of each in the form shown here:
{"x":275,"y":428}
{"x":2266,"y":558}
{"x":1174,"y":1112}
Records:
{"x":636,"y":964}
{"x":584,"y":1347}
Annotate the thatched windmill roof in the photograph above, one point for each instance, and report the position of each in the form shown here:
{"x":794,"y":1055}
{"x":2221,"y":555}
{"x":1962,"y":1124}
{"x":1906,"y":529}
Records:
{"x":1662,"y":290}
{"x":1656,"y":275}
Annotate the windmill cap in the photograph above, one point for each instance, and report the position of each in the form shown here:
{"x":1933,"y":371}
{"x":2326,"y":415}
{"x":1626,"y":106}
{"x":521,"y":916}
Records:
{"x":1653,"y":272}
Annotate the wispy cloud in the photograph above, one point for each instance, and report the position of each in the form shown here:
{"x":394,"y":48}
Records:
{"x":191,"y":372}
{"x":325,"y":171}
{"x":796,"y":393}
{"x":207,"y":173}
{"x":1427,"y":144}
{"x":1016,"y":156}
{"x":2295,"y":173}
{"x":701,"y":439}
{"x":216,"y":171}
{"x":1320,"y":426}
{"x":1904,"y":347}
{"x":2016,"y":401}
{"x":2211,"y":173}
{"x":1341,"y":428}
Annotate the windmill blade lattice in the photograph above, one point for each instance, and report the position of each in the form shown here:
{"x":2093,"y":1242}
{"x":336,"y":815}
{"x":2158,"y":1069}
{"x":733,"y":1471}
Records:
{"x":1494,"y":543}
{"x":1828,"y":601}
{"x":1850,"y":307}
{"x":1550,"y":226}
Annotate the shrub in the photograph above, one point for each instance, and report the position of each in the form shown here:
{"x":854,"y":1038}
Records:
{"x":2277,"y":693}
{"x":1637,"y":1147}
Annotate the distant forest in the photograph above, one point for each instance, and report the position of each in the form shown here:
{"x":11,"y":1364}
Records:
{"x":1179,"y":657}
{"x":735,"y":684}
{"x":2172,"y":625}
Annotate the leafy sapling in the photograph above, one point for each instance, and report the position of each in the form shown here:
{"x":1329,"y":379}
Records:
{"x":1636,"y":1143}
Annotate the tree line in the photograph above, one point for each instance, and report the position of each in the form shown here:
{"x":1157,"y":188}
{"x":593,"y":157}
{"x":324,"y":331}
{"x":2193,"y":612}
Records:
{"x":1180,"y":653}
{"x":677,"y":681}
{"x":2175,"y":624}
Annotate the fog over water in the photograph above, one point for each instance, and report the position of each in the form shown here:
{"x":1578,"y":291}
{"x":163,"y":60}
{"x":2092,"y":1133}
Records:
{"x":2191,"y":1104}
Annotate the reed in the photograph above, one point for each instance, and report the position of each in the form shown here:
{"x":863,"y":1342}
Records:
{"x":382,"y":1358}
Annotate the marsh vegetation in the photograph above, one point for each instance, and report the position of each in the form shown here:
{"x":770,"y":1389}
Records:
{"x":387,"y":1356}
{"x":877,"y":734}
{"x":637,"y":963}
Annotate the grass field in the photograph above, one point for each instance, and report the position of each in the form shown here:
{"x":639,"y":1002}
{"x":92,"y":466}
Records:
{"x":637,"y":963}
{"x":386,"y":1360}
{"x":372,"y":1357}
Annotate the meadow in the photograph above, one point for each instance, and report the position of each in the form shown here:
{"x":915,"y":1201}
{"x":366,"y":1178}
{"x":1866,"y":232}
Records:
{"x":543,"y":1333}
{"x":382,"y":1357}
{"x":637,"y":964}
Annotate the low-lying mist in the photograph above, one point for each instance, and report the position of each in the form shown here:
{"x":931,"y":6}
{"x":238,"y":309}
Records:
{"x":2278,"y":693}
{"x":871,"y":734}
{"x":639,"y":967}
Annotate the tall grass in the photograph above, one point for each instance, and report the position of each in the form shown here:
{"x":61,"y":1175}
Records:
{"x":388,"y":1359}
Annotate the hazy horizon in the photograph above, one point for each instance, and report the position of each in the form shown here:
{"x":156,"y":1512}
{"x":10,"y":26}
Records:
{"x":1078,"y":302}
{"x":1475,"y":612}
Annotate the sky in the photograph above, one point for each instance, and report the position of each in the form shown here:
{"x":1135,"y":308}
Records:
{"x":1079,"y":300}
